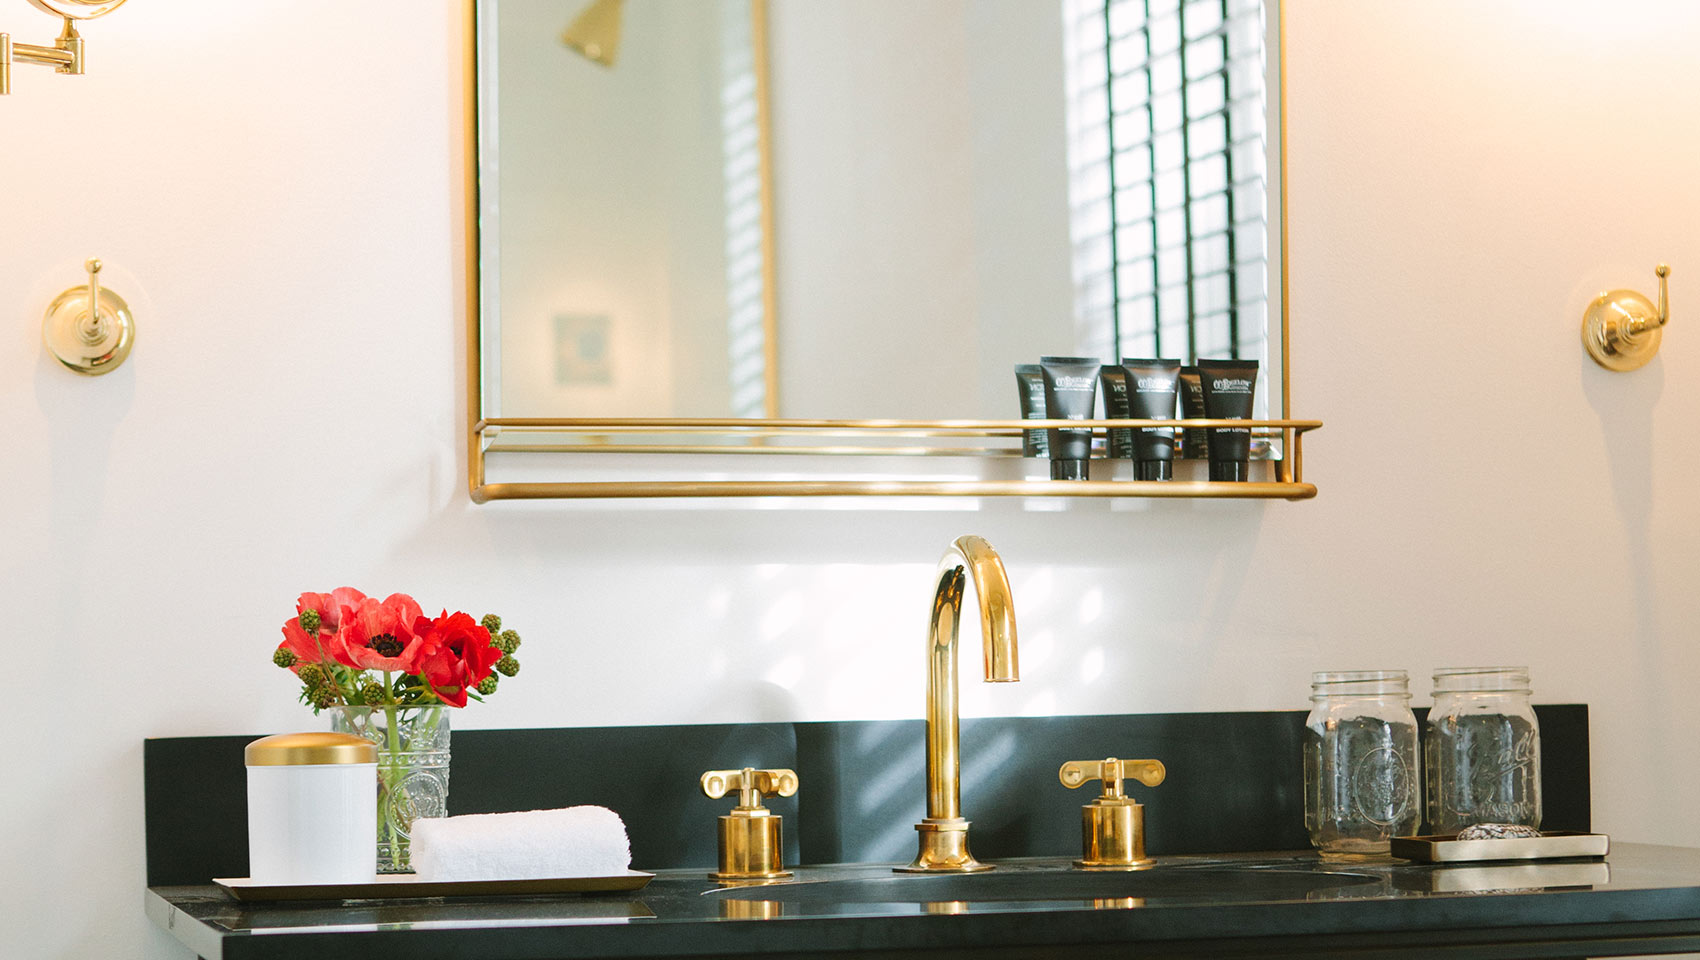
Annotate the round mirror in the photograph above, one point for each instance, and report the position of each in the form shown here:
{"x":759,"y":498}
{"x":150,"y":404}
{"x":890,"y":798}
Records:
{"x":78,"y":9}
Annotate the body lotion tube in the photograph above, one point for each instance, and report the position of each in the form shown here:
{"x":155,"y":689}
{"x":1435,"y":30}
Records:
{"x":1071,"y":388}
{"x":1114,"y":381}
{"x":1195,"y":441}
{"x":1228,"y":388}
{"x":1031,"y":383}
{"x":1151,"y":386}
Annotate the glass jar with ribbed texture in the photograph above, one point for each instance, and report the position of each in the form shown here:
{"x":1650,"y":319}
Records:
{"x":1360,"y":762}
{"x":1482,"y":750}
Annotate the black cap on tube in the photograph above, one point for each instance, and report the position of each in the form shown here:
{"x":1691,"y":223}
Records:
{"x":1229,"y":470}
{"x":1152,"y":470}
{"x":1068,"y":469}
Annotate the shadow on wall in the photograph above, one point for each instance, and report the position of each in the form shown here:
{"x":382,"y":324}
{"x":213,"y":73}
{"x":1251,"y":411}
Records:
{"x":82,"y":414}
{"x":1624,"y":404}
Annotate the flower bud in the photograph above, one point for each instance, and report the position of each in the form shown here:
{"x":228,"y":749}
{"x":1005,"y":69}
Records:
{"x":491,"y":622}
{"x":312,"y":675}
{"x":372,"y":692}
{"x":487,"y":685}
{"x":510,"y":642}
{"x":507,"y":666}
{"x":284,"y":658}
{"x":309,"y":621}
{"x":322,"y":697}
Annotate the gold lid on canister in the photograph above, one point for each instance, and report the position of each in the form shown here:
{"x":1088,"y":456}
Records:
{"x":299,"y":749}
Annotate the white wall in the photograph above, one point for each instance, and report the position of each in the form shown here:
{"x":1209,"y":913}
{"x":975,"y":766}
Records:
{"x":275,"y":192}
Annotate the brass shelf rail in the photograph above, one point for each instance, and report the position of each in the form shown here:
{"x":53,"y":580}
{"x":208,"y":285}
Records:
{"x":597,"y":436}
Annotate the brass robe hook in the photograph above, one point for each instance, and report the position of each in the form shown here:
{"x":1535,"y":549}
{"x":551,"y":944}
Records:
{"x":89,"y":329}
{"x":1621,"y":329}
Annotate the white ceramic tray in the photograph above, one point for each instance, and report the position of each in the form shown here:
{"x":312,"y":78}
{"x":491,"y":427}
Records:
{"x":400,"y":885}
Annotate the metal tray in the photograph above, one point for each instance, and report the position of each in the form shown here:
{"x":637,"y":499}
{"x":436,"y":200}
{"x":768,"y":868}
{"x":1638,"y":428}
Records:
{"x":1448,"y":848}
{"x":400,"y":885}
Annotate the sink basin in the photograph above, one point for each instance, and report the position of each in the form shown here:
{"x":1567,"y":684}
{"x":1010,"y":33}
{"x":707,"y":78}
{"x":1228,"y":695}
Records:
{"x":1203,"y":884}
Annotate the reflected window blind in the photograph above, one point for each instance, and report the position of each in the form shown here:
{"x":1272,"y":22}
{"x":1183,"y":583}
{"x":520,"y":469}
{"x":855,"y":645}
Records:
{"x":1167,"y":176}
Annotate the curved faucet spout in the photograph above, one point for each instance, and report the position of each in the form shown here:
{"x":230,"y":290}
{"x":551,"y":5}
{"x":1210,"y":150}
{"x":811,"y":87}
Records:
{"x":944,"y":833}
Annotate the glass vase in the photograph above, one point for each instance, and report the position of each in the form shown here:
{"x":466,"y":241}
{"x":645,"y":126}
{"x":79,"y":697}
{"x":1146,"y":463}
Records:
{"x":413,"y":770}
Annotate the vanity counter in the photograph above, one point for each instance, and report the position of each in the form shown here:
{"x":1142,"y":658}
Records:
{"x":1642,"y":899}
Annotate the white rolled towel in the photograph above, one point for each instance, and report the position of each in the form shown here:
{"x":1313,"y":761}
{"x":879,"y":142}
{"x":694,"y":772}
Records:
{"x":571,"y":842}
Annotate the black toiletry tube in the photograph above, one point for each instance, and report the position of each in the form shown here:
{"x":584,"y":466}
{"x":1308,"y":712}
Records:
{"x":1195,"y":441}
{"x":1228,"y":388}
{"x":1031,"y":383}
{"x":1071,"y":389}
{"x":1114,"y":382}
{"x":1151,"y":396}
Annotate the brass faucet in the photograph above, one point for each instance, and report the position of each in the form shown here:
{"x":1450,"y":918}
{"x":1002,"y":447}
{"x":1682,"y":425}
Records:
{"x":944,"y":833}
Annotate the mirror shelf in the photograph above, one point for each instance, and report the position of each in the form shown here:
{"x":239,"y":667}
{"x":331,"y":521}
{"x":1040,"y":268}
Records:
{"x":759,"y":458}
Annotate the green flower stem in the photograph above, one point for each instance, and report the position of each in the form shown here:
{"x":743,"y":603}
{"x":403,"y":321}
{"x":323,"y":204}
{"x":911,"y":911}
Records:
{"x":330,"y":674}
{"x":392,"y":777}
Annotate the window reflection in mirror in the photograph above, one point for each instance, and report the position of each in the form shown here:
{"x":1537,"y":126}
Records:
{"x":944,"y":176}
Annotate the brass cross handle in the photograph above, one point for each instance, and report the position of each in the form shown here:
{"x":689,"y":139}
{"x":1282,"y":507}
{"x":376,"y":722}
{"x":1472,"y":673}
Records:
{"x":1111,"y":771}
{"x":751,"y":784}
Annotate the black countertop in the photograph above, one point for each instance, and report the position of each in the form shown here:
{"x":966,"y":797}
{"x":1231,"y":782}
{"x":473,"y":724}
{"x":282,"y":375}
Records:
{"x":1642,"y":899}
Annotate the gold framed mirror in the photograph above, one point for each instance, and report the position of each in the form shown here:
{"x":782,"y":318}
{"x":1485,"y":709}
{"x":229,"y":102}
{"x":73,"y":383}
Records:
{"x":948,"y":425}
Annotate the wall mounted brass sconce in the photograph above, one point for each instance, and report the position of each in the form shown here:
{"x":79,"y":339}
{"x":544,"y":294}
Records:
{"x":1621,"y":329}
{"x":66,"y":53}
{"x":89,"y":329}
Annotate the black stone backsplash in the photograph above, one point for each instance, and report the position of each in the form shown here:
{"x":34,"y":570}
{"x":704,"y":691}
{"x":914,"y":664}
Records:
{"x":1233,"y":785}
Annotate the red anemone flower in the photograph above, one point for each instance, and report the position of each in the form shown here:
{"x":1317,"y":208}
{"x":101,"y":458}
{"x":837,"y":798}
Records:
{"x":329,"y":607}
{"x":458,"y":654}
{"x":308,"y":648}
{"x":381,"y":636}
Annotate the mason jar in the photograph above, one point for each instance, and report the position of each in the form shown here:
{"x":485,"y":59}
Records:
{"x":1360,"y":762}
{"x":1482,"y":750}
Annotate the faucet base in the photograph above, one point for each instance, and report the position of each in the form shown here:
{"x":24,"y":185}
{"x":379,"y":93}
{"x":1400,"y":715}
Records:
{"x":944,"y":848}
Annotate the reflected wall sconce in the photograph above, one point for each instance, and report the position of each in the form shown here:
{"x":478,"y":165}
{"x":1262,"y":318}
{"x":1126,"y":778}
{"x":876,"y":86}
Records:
{"x":595,"y":32}
{"x":1621,"y":329}
{"x":66,"y":53}
{"x":90,"y":330}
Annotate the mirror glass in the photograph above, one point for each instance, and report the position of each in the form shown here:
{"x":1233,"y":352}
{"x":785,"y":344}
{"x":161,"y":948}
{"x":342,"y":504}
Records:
{"x":855,"y":209}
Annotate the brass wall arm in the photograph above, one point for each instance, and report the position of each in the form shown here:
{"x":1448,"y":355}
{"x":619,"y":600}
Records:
{"x":65,"y":56}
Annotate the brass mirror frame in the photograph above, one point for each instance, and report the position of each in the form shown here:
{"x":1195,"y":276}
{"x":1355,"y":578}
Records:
{"x":838,"y":436}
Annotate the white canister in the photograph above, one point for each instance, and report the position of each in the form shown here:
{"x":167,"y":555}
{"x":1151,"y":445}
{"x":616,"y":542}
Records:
{"x":312,"y":809}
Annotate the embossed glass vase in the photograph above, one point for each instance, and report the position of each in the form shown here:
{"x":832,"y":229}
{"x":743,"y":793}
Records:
{"x":413,"y":770}
{"x":1360,"y":763}
{"x":1482,"y":750}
